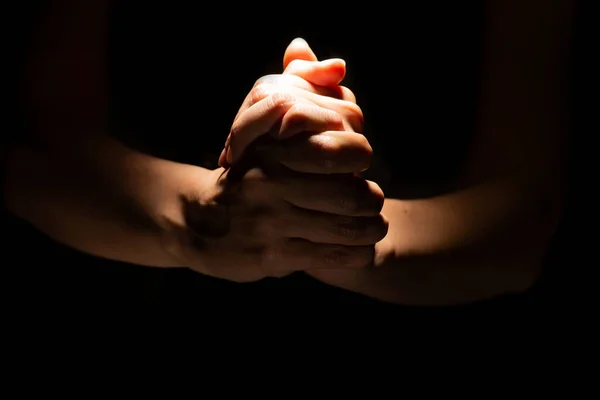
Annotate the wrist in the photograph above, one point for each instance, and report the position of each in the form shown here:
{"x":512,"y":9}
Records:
{"x":185,"y":212}
{"x":102,"y":198}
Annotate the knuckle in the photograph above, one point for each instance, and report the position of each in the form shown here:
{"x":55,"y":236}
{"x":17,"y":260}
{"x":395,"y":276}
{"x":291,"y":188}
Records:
{"x":262,"y":88}
{"x":332,"y":118}
{"x":350,"y":204}
{"x":352,"y":109}
{"x":376,"y":197}
{"x":361,"y":197}
{"x":328,"y":149}
{"x":381,"y":228}
{"x":278,"y":100}
{"x":260,"y":92}
{"x":256,"y":186}
{"x":349,"y":256}
{"x":329,"y":115}
{"x":273,"y":89}
{"x":353,"y":148}
{"x":348,"y":94}
{"x":362,"y":153}
{"x":267,"y":80}
{"x":270,"y":257}
{"x":312,"y":117}
{"x":362,"y":256}
{"x":296,"y":114}
{"x":337,"y":257}
{"x":354,"y":114}
{"x":366,"y":230}
{"x":272,"y":260}
{"x":261,"y":260}
{"x":362,"y":144}
{"x":327,"y":144}
{"x":255,"y":175}
{"x":349,"y":228}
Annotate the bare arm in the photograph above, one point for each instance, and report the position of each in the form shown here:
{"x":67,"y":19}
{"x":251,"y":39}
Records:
{"x":489,"y":237}
{"x":71,"y":180}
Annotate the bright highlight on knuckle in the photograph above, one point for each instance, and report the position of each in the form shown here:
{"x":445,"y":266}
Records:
{"x":326,"y":143}
{"x":260,"y":92}
{"x":279,"y":100}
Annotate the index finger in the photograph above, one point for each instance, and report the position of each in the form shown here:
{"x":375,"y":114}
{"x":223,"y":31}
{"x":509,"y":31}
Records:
{"x":330,"y":152}
{"x":256,"y":121}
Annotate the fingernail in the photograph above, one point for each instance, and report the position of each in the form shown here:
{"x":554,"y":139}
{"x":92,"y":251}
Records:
{"x":229,"y":155}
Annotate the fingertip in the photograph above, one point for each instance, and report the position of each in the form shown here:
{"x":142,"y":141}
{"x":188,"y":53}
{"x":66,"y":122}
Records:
{"x":299,"y":42}
{"x":335,"y":62}
{"x":337,"y":66}
{"x":331,"y":72}
{"x":298,"y":49}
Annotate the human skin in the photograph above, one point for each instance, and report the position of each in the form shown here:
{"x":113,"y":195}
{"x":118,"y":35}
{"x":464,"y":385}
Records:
{"x":488,"y":237}
{"x":76,"y":183}
{"x":485,"y":239}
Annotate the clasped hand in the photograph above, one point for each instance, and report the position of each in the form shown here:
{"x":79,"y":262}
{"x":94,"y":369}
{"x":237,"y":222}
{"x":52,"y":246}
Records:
{"x":289,"y":196}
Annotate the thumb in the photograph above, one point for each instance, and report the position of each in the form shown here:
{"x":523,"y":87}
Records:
{"x":300,"y":60}
{"x":326,"y":73}
{"x":298,"y":49}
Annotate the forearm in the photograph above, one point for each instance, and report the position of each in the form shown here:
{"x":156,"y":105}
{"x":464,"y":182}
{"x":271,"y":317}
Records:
{"x":466,"y":246}
{"x":100,"y":197}
{"x":469,"y":245}
{"x":490,"y":237}
{"x":439,"y":281}
{"x":473,"y":244}
{"x":489,"y":219}
{"x":511,"y":189}
{"x":82,"y":189}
